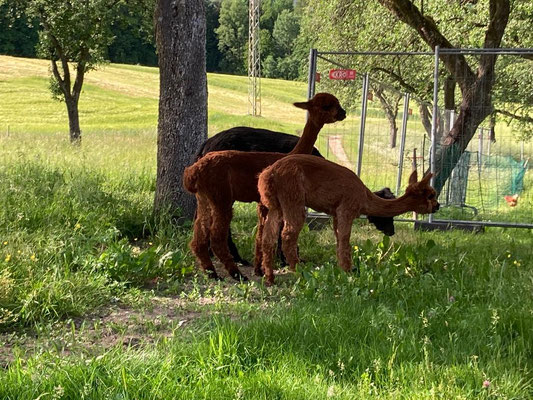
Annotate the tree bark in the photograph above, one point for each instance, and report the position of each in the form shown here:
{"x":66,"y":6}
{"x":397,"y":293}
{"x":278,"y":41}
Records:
{"x":182,"y":125}
{"x":73,"y":120}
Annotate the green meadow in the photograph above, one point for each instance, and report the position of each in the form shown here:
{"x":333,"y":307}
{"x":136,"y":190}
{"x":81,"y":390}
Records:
{"x":99,"y":300}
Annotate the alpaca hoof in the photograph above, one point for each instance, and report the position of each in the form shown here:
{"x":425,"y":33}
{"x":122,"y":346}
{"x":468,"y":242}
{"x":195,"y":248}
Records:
{"x":238,"y":276}
{"x":258,"y":271}
{"x":269,"y":281}
{"x":212,"y":274}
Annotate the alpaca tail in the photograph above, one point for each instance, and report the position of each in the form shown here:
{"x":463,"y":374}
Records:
{"x":190,"y":178}
{"x":266,"y":188}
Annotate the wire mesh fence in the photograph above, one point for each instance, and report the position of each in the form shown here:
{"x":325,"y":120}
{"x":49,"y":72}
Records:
{"x":388,"y":132}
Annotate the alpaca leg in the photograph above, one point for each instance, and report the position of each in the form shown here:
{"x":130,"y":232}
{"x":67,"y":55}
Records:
{"x":199,"y":244}
{"x":270,"y":235}
{"x":221,"y":219}
{"x":293,"y":224}
{"x":234,"y":252}
{"x":262,"y":213}
{"x":342,"y":232}
{"x":279,"y":251}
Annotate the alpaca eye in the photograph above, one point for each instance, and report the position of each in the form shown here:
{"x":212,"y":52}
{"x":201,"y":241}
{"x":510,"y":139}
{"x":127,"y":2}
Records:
{"x":431,"y":196}
{"x":326,"y":107}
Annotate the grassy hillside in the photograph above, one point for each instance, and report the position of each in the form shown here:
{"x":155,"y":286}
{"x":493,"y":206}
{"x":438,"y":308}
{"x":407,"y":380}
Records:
{"x":123,"y":98}
{"x":98,"y":300}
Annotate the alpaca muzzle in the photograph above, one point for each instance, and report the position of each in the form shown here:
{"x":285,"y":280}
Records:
{"x":341,"y":114}
{"x":435,"y":208}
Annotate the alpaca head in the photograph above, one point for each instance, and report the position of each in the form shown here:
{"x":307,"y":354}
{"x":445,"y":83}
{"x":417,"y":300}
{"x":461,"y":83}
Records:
{"x":324,"y":108}
{"x":423,"y":196}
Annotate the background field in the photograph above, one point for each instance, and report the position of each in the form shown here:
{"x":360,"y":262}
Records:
{"x":99,"y":300}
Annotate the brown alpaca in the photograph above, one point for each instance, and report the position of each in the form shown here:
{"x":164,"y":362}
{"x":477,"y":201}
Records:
{"x":220,"y":178}
{"x":297,"y":181}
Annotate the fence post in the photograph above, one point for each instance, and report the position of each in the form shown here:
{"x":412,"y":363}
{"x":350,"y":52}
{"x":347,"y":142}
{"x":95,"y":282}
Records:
{"x":311,"y":79}
{"x":479,"y":161}
{"x":362,"y":127}
{"x":406,"y":97}
{"x":433,"y":147}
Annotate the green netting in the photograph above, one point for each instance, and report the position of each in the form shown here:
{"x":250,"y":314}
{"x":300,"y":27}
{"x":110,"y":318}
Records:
{"x":508,"y":172}
{"x":480,"y":182}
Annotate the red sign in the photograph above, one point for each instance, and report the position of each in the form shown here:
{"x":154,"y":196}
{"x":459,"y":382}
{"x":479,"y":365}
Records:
{"x":410,"y":111}
{"x":317,"y":77}
{"x":342,"y":74}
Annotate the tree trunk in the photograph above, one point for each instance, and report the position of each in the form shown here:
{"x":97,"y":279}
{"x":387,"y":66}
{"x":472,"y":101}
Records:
{"x":390,"y":108}
{"x":73,"y":120}
{"x":182,"y":124}
{"x":475,"y":107}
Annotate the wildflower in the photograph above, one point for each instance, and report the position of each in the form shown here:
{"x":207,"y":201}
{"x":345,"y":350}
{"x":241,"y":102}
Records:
{"x":5,"y":243}
{"x":77,"y":226}
{"x":331,"y":391}
{"x":8,"y":257}
{"x":356,"y":248}
{"x":486,"y":384}
{"x":150,"y":243}
{"x":509,"y":255}
{"x":33,"y":258}
{"x":517,"y":263}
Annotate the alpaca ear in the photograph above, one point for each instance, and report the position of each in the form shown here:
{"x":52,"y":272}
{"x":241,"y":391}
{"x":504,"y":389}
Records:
{"x":425,"y":179}
{"x":413,"y":178}
{"x":303,"y":104}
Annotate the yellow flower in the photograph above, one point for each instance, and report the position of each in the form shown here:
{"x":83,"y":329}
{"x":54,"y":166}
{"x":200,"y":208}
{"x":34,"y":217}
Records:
{"x":517,"y":263}
{"x":150,"y":243}
{"x":509,"y":255}
{"x":77,"y":226}
{"x":8,"y":257}
{"x":33,"y":258}
{"x":5,"y":243}
{"x":356,"y":248}
{"x":19,"y":252}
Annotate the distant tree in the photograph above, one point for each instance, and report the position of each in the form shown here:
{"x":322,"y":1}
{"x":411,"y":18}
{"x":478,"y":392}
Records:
{"x":213,"y":54}
{"x":182,"y":124}
{"x":19,"y":35}
{"x":73,"y":35}
{"x":232,"y":34}
{"x":133,"y":31}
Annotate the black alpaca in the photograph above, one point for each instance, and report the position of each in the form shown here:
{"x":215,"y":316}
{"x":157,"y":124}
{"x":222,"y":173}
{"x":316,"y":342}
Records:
{"x":243,"y":138}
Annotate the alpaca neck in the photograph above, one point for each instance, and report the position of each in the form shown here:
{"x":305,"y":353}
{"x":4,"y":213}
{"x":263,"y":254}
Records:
{"x":308,"y":138}
{"x":378,"y":207}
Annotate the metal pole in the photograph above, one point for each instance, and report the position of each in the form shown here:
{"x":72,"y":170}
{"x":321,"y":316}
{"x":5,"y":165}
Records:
{"x":402,"y":142}
{"x":480,"y":150}
{"x":522,"y":150}
{"x":433,"y":147}
{"x":362,"y":127}
{"x":311,"y":79}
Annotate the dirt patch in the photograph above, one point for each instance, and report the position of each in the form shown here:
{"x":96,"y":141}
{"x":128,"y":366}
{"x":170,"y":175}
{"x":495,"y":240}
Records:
{"x":335,"y":144}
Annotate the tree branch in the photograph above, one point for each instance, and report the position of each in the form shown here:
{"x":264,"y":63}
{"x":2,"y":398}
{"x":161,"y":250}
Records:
{"x":522,"y":118}
{"x":456,"y":64}
{"x":498,"y":18}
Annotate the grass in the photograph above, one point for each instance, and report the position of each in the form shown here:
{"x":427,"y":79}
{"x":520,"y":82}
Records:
{"x":99,"y":300}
